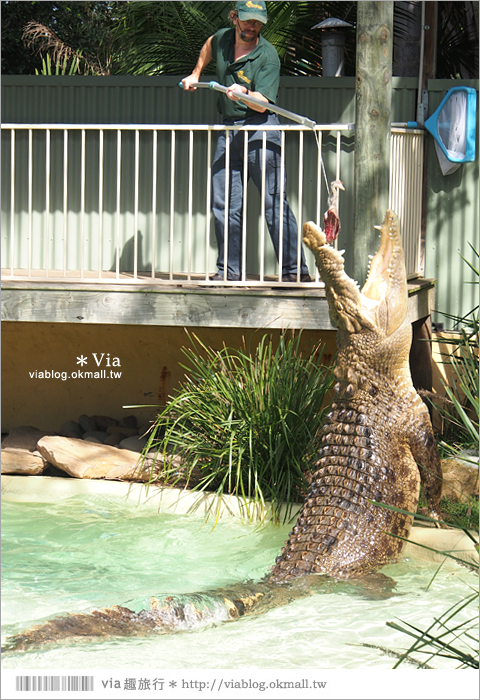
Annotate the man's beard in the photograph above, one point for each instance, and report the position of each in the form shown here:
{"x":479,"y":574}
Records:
{"x":248,"y":37}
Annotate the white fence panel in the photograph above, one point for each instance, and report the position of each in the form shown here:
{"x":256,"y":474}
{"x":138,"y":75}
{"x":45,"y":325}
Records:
{"x":132,"y":203}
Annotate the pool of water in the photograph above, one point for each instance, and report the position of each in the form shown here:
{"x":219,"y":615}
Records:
{"x":93,"y":551}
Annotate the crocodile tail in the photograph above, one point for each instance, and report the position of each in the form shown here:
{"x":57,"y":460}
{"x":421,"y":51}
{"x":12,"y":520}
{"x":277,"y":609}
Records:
{"x":115,"y":621}
{"x":165,"y":616}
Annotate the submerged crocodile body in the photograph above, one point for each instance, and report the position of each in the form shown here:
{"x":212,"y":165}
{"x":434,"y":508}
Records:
{"x":377,"y":432}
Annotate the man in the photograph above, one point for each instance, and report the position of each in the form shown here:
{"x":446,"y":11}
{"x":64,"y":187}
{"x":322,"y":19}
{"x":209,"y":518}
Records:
{"x":249,"y":64}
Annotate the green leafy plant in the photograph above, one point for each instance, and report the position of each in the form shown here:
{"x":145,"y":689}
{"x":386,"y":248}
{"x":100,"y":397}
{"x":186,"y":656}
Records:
{"x":182,"y":26}
{"x":463,"y":391}
{"x":60,"y":68}
{"x":461,"y":515}
{"x":246,"y":422}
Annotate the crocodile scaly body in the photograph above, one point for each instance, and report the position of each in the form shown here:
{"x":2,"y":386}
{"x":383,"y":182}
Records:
{"x":377,"y":431}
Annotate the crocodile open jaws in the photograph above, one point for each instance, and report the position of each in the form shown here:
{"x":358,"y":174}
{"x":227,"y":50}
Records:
{"x":376,"y":434}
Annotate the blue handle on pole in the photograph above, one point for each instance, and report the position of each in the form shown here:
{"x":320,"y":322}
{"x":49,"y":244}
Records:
{"x":197,"y":85}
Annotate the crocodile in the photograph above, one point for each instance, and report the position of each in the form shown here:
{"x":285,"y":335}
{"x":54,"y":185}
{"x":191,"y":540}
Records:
{"x":377,"y":445}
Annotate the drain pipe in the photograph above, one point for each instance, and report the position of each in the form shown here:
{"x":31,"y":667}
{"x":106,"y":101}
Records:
{"x":422,"y":96}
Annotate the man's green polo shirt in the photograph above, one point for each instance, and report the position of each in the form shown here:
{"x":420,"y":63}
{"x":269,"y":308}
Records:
{"x":258,"y":71}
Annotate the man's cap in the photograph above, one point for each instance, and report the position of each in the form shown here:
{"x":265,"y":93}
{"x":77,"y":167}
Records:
{"x":252,"y":9}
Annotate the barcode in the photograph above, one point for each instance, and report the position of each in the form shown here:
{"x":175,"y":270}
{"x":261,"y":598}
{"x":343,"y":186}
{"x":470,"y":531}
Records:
{"x":53,"y":683}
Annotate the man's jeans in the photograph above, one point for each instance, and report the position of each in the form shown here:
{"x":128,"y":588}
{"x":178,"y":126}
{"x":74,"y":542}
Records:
{"x":236,"y":188}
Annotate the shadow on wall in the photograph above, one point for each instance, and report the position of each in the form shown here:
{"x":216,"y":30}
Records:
{"x":126,"y":261}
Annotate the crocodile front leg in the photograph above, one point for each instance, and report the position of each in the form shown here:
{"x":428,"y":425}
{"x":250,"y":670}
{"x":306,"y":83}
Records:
{"x":424,"y":451}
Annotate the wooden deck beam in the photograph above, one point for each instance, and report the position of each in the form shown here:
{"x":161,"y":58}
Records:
{"x":171,"y":306}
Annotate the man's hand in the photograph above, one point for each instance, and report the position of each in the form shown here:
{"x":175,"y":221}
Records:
{"x":241,"y":88}
{"x":237,"y":88}
{"x":189,"y":82}
{"x":203,"y":61}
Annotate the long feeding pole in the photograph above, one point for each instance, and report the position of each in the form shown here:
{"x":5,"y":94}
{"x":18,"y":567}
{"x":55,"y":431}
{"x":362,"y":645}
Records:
{"x":305,"y":121}
{"x":213,"y":85}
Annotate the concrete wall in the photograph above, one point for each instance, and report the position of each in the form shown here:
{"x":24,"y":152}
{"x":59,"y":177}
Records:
{"x":149,"y":359}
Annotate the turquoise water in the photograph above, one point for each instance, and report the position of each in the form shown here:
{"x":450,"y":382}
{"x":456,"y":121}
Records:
{"x":95,"y":551}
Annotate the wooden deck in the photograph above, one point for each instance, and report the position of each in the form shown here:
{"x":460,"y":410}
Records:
{"x":186,"y":305}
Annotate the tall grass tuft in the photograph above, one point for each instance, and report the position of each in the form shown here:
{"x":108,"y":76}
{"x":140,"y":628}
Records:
{"x":446,"y":637}
{"x":461,"y":411}
{"x":247,"y":422}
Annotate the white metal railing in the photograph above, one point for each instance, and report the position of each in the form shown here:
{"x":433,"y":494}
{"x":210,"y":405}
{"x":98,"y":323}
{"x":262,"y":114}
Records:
{"x":406,"y":173}
{"x":131,"y":203}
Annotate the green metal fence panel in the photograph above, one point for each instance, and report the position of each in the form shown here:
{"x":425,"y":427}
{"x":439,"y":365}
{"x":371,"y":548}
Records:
{"x":452,"y":224}
{"x":158,"y":100}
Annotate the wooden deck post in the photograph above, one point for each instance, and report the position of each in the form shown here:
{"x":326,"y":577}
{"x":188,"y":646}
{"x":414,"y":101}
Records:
{"x":373,"y":97}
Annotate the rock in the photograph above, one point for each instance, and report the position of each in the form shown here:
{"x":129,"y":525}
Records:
{"x":98,"y":435}
{"x":24,"y":437}
{"x":114,"y":439}
{"x":71,"y":429}
{"x":134,"y":443}
{"x":87,"y":460}
{"x":129,"y":422}
{"x":21,"y":461}
{"x":126,"y":432}
{"x":88,"y":425}
{"x":104,"y":422}
{"x":460,"y":480}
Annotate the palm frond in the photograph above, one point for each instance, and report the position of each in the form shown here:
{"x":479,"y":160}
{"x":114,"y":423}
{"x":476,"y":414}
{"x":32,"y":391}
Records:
{"x":43,"y":40}
{"x":164,"y":37}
